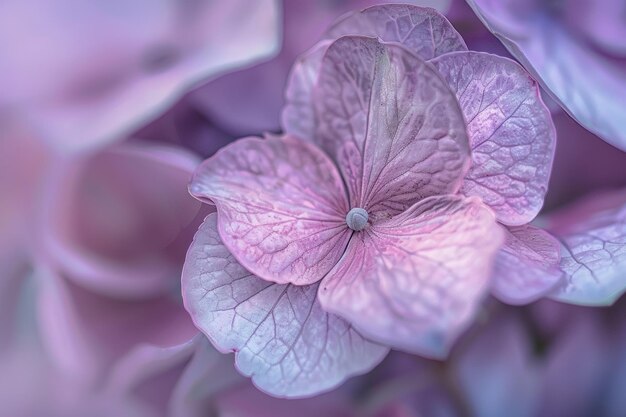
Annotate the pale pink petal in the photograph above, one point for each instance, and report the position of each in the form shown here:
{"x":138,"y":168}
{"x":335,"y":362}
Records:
{"x":593,"y":234}
{"x":281,"y":206}
{"x":391,"y":124}
{"x":527,"y":266}
{"x":422,"y":30}
{"x":511,"y":133}
{"x":414,"y":282}
{"x":282,"y":337}
{"x":104,"y":68}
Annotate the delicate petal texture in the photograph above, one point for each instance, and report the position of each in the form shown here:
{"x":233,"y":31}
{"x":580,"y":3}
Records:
{"x":298,"y":116}
{"x":562,"y":59}
{"x":104,"y":68}
{"x":391,"y":124}
{"x":527,"y":266}
{"x":422,"y":30}
{"x":510,"y":130}
{"x":281,"y":335}
{"x":593,"y":233}
{"x":282,"y":207}
{"x":413,"y":282}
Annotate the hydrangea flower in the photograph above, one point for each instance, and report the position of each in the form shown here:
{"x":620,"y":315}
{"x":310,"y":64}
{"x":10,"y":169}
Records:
{"x":373,"y":221}
{"x":561,"y":43}
{"x":104,"y":69}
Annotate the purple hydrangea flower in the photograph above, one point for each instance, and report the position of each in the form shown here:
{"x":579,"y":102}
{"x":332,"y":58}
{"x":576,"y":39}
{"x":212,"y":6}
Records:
{"x":561,"y":43}
{"x":373,"y":222}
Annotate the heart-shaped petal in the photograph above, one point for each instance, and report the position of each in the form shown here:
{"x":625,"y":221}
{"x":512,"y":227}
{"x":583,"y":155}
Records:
{"x":415,"y":281}
{"x":281,"y":206}
{"x":282,"y":337}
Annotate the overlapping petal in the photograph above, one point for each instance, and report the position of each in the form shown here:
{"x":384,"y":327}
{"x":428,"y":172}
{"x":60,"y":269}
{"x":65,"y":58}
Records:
{"x":510,"y":130}
{"x":413,"y":282}
{"x":422,"y":30}
{"x":527,"y":266}
{"x":593,"y":257}
{"x":390,"y":123}
{"x":126,"y":61}
{"x":282,"y":337}
{"x":540,"y":37}
{"x":281,"y":207}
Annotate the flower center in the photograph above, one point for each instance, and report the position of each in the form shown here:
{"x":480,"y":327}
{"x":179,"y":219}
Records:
{"x":356,"y":219}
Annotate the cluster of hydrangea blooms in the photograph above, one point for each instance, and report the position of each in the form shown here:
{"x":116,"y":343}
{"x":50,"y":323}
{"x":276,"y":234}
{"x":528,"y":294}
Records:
{"x":397,"y":198}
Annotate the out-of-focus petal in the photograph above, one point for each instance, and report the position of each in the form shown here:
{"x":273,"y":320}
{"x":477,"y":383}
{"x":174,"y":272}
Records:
{"x":103,"y":69}
{"x":496,"y":369}
{"x":87,"y":332}
{"x":414,"y":282}
{"x":510,"y":131}
{"x":390,"y":123}
{"x":281,"y":206}
{"x":593,"y":236}
{"x":119,"y":222}
{"x":575,"y":370}
{"x":537,"y":34}
{"x":527,"y":266}
{"x":282,"y":337}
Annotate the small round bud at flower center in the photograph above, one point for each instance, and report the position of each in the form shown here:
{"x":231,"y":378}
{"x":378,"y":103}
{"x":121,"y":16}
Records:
{"x":357,"y":219}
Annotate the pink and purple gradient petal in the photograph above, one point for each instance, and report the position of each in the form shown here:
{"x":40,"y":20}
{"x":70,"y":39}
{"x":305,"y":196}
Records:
{"x":527,"y":266}
{"x":282,"y":337}
{"x":511,"y":133}
{"x":281,"y":205}
{"x":414,"y":282}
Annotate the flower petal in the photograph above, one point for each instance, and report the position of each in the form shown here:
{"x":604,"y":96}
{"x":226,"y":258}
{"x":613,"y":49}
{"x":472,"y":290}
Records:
{"x":415,"y":281}
{"x":282,"y":337}
{"x":527,"y":266}
{"x":391,"y":124}
{"x":562,"y":59}
{"x":115,"y":66}
{"x":593,"y":233}
{"x":281,"y":207}
{"x":298,"y":115}
{"x":510,"y":131}
{"x":422,"y":30}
